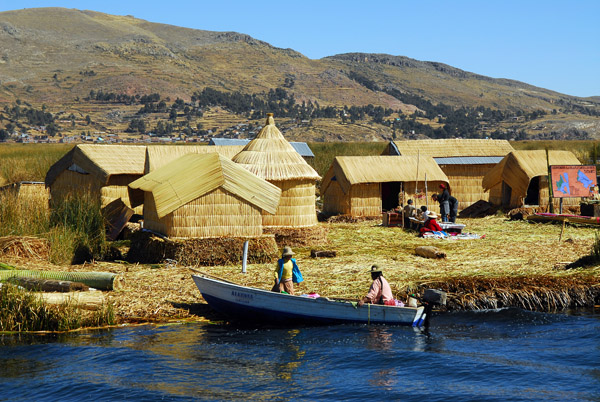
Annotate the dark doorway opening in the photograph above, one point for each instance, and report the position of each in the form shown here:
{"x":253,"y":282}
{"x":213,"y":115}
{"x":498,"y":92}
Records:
{"x":533,"y":192}
{"x":389,"y":195}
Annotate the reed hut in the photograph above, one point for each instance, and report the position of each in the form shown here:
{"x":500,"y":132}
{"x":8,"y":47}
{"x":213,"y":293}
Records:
{"x":465,"y":162}
{"x":271,"y":157}
{"x":367,"y":185}
{"x":204,"y":196}
{"x":160,"y":155}
{"x":522,"y":178}
{"x":102,"y":170}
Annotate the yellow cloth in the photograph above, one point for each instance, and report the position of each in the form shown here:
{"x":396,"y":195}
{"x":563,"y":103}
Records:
{"x":287,"y":270}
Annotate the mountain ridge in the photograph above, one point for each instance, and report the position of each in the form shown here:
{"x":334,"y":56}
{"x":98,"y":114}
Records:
{"x":49,"y":55}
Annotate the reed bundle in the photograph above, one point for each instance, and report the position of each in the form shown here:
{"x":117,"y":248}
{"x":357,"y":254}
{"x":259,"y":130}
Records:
{"x":25,"y":247}
{"x":303,"y":237}
{"x":147,"y":248}
{"x":540,"y":292}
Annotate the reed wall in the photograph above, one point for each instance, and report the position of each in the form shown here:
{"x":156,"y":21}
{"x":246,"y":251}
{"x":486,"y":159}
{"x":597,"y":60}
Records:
{"x":216,"y":214}
{"x":296,"y":206}
{"x":365,"y":199}
{"x":465,"y":183}
{"x":335,"y":202}
{"x":69,"y":182}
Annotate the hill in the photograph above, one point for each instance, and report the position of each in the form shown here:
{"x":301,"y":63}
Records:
{"x":56,"y":57}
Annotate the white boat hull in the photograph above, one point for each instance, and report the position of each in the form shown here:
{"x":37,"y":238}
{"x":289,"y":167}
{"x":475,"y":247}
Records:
{"x":253,"y":304}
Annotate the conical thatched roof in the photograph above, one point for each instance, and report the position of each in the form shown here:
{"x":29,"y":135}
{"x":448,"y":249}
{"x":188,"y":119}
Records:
{"x":519,"y":167}
{"x":194,"y":175}
{"x":271,"y":157}
{"x":101,"y":161}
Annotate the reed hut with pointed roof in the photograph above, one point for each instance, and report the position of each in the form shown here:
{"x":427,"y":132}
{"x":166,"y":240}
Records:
{"x":364,"y":186}
{"x":465,"y":162}
{"x":204,"y":196}
{"x":102,"y":170}
{"x":522,"y":177}
{"x":271,"y":157}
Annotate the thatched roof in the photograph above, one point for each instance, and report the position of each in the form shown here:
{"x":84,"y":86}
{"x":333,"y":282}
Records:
{"x":351,"y":170}
{"x":194,"y":175}
{"x":451,"y":147}
{"x":102,"y":161}
{"x":159,"y":155}
{"x":271,"y":157}
{"x":519,"y":167}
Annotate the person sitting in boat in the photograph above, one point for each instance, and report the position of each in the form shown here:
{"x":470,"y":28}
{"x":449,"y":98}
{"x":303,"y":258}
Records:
{"x":286,"y":272}
{"x":431,"y":225}
{"x":380,"y":291}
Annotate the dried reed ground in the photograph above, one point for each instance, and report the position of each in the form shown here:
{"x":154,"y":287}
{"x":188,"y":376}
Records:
{"x":512,"y":253}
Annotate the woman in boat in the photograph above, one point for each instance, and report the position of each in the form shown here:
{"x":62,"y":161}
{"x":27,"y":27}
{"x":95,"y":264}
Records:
{"x":380,"y":291}
{"x":286,"y":272}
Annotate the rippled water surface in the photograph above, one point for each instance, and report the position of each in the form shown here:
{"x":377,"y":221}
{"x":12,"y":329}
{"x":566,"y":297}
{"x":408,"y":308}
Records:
{"x":486,"y":356}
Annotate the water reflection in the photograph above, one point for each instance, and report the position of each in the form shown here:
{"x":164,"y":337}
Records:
{"x":222,"y":362}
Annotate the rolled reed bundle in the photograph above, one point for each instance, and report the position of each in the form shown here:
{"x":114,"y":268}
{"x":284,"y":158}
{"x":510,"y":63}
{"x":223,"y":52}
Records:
{"x":96,"y":280}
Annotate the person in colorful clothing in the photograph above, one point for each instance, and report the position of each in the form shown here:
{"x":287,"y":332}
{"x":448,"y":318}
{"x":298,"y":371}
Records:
{"x":380,"y":291}
{"x":431,"y":225}
{"x":284,"y":272}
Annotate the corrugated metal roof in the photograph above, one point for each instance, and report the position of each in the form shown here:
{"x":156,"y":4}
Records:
{"x":468,"y":160}
{"x":301,"y":147}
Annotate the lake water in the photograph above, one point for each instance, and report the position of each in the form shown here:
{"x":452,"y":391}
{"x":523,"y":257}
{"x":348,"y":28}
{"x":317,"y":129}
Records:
{"x":503,"y":355}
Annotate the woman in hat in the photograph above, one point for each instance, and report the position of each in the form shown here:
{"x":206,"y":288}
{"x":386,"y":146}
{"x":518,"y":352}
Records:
{"x":431,"y":225}
{"x":286,"y":272}
{"x":380,"y":291}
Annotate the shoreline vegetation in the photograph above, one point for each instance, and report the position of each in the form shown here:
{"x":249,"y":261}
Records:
{"x":518,"y":263}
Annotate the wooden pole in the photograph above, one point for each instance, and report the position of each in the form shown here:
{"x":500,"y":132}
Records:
{"x":426,"y":195}
{"x":550,"y":201}
{"x":417,"y":177}
{"x":401,"y":192}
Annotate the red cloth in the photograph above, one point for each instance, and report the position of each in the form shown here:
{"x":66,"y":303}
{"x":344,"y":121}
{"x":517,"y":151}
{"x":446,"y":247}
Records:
{"x":431,"y":226}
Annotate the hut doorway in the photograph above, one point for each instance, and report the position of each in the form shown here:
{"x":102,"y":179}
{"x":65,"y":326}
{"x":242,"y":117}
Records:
{"x":533,"y":192}
{"x":506,"y":195}
{"x":389,"y":195}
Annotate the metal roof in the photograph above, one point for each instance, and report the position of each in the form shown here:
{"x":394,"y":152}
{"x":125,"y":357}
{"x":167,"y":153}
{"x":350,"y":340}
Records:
{"x":301,"y":147}
{"x":468,"y":160}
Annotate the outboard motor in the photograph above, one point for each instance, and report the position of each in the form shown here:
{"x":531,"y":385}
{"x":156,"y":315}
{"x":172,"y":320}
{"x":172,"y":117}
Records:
{"x":432,"y":297}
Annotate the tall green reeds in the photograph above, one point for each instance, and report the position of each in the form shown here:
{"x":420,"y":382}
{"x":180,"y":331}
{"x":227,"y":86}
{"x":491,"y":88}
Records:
{"x":22,"y":216}
{"x":21,"y":310}
{"x":74,"y":226}
{"x":78,"y":228}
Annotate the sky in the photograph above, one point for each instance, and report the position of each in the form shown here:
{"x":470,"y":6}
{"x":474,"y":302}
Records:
{"x":547,"y":43}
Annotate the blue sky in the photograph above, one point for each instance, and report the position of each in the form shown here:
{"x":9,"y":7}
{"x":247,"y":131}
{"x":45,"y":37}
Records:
{"x":550,"y":44}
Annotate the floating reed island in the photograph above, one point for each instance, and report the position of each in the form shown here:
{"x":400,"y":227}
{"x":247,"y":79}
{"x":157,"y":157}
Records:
{"x":517,"y":264}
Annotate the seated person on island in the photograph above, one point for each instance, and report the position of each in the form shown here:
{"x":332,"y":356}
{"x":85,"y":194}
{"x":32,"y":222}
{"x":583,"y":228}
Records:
{"x":422,"y":217}
{"x":409,"y":211}
{"x":380,"y":291}
{"x":431,"y":225}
